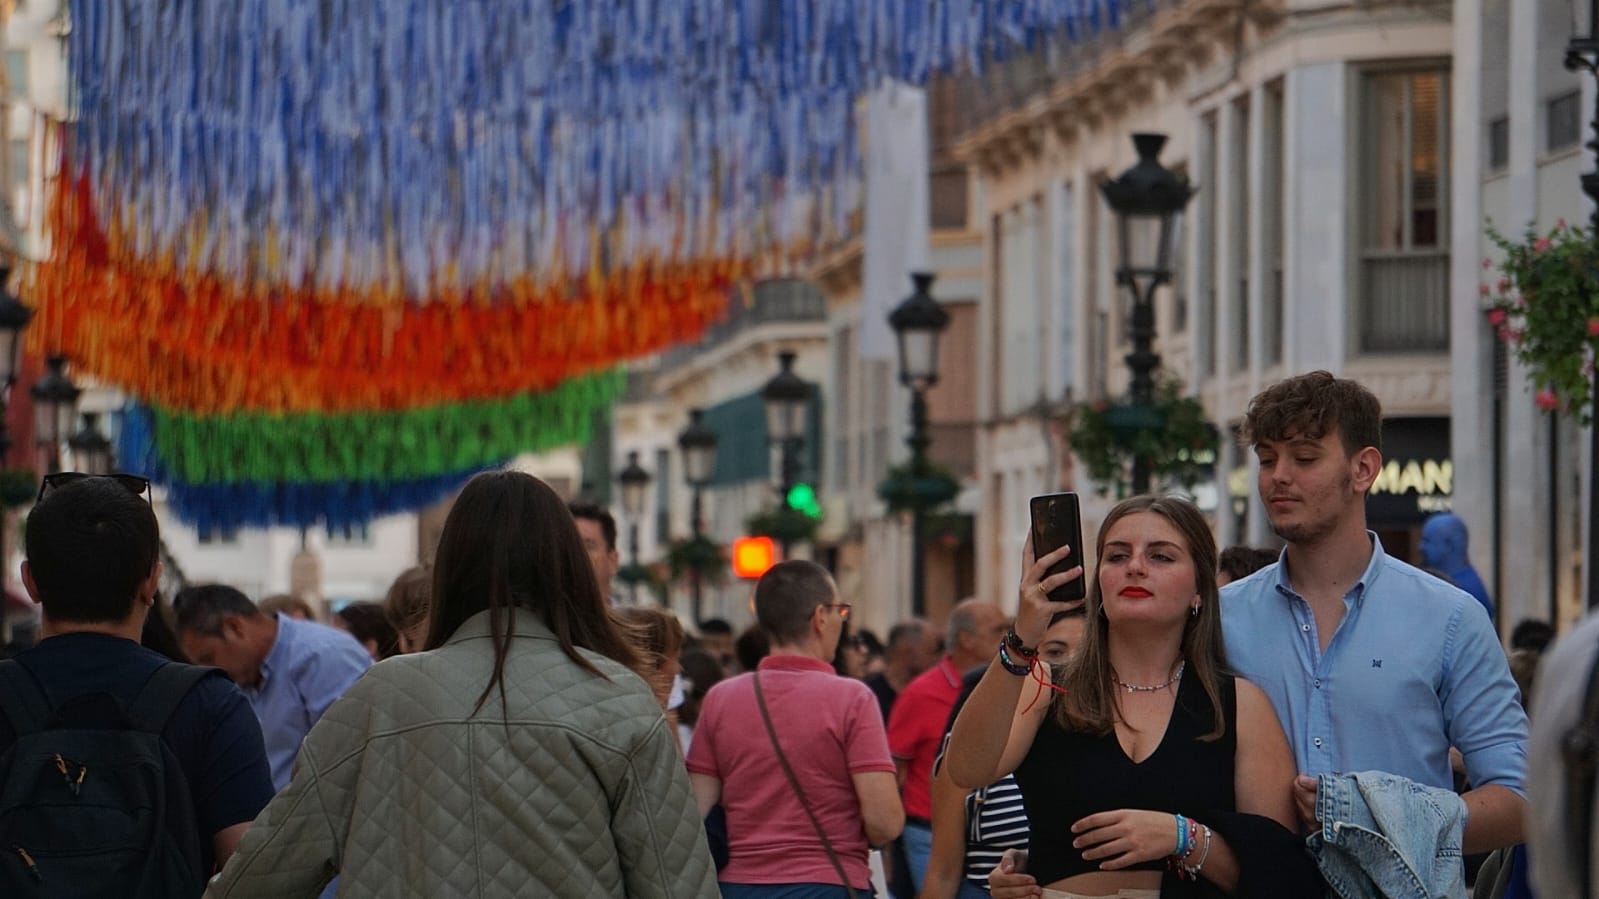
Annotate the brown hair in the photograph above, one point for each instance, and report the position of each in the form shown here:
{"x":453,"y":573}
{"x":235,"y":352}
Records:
{"x":656,"y":634}
{"x":787,"y":595}
{"x":509,"y":542}
{"x":1311,"y":406}
{"x":1089,"y":703}
{"x":409,"y":597}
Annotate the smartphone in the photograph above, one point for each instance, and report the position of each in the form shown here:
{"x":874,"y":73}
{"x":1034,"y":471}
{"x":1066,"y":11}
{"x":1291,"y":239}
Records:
{"x":1058,"y":521}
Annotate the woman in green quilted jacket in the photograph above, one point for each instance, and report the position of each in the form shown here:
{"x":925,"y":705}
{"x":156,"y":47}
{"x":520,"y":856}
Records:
{"x":518,"y":756}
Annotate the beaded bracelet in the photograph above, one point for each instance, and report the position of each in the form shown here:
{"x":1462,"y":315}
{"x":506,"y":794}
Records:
{"x":1005,"y":661}
{"x":1014,"y":641}
{"x":1193,"y":870}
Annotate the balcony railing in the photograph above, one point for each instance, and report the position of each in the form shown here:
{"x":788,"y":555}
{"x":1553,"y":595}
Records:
{"x":779,"y":300}
{"x":1404,"y":302}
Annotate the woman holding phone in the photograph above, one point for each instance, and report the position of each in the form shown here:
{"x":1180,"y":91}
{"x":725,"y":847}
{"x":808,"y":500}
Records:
{"x":1150,"y":771}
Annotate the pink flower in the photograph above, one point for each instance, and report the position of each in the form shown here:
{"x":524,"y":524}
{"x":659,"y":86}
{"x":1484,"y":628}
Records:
{"x":1541,"y":245}
{"x":1503,"y":285}
{"x":1546,"y":399}
{"x":1484,"y":290}
{"x":1560,"y":223}
{"x":1496,"y":316}
{"x":1487,"y":263}
{"x":1593,"y":326}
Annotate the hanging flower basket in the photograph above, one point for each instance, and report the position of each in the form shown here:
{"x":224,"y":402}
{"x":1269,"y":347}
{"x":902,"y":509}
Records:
{"x":696,"y":554}
{"x":18,"y":487}
{"x":1545,"y":306}
{"x":909,"y":488}
{"x":1171,"y":432}
{"x":784,"y":524}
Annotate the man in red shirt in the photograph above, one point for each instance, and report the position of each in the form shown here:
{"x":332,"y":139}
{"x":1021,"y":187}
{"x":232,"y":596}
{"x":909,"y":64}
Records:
{"x":831,"y":734}
{"x":916,"y":725}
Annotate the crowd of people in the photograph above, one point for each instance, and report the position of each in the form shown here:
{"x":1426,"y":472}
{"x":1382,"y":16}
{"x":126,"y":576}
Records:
{"x":1205,"y":722}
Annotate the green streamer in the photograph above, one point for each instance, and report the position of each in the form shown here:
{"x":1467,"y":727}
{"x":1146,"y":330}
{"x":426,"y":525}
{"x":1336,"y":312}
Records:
{"x":378,"y":446}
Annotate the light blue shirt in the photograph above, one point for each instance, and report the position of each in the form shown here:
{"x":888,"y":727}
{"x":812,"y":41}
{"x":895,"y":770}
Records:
{"x":1413,"y":669}
{"x":309,"y":666}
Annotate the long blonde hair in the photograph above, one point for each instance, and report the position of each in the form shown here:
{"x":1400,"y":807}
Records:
{"x":1089,"y":703}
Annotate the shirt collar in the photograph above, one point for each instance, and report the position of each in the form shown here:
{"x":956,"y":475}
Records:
{"x":1358,"y":592}
{"x":794,"y":663}
{"x":279,"y":653}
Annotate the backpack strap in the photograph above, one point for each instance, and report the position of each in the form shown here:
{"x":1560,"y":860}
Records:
{"x":166,"y":688}
{"x":22,"y":699}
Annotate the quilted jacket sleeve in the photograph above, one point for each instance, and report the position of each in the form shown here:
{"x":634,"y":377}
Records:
{"x":660,"y":838}
{"x":290,"y":851}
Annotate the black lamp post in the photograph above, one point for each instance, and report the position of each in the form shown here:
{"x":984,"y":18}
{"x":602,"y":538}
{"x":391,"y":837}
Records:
{"x":635,"y":483}
{"x":14,"y":318}
{"x":1583,"y":53}
{"x":787,"y":396}
{"x":1148,"y":200}
{"x":55,"y":404}
{"x":698,"y":444}
{"x":917,"y":322}
{"x":91,"y":449}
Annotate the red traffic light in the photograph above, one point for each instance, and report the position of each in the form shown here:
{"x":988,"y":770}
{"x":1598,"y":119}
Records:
{"x":753,"y":555}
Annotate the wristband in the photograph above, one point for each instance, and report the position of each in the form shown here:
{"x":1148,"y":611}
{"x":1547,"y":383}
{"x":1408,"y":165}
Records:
{"x":1182,"y":836}
{"x":1020,"y":670}
{"x":1193,"y":870}
{"x":1014,"y":641}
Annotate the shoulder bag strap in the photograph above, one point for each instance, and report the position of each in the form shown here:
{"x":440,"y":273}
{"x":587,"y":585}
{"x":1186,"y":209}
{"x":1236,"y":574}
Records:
{"x":766,"y":718}
{"x":162,"y":693}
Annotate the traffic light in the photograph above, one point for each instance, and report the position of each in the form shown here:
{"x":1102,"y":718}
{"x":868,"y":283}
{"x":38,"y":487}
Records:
{"x":753,"y":555}
{"x":802,"y":498}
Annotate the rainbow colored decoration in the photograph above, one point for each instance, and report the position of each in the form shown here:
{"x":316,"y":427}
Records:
{"x":345,"y":253}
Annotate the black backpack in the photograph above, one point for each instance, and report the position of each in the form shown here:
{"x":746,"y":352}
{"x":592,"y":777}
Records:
{"x":92,"y":802}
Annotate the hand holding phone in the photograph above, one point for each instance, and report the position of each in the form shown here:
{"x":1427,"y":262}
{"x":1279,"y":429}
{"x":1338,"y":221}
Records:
{"x":1058,"y":521}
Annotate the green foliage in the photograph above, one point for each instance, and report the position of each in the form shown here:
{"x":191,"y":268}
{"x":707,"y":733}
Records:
{"x":1545,"y":306}
{"x":783,"y":524}
{"x":696,"y":554}
{"x":18,"y":487}
{"x":1172,"y":434}
{"x":911,"y":488}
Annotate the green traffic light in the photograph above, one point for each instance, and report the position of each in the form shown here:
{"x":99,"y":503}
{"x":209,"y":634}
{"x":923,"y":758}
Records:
{"x":802,"y":498}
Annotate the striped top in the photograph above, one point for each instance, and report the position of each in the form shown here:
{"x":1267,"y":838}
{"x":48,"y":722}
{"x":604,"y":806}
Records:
{"x":995,"y":821}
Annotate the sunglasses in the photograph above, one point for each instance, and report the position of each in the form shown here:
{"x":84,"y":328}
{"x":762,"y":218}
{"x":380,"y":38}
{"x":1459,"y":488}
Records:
{"x":136,"y":485}
{"x":842,"y":607}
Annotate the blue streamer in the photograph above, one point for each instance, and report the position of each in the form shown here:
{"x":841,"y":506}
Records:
{"x":420,"y":145}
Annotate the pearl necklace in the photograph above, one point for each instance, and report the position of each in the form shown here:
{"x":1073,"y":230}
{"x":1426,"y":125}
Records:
{"x":1140,"y":688}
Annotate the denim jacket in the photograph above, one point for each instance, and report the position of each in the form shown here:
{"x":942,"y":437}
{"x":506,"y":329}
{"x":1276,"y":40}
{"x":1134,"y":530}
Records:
{"x":1385,"y":837}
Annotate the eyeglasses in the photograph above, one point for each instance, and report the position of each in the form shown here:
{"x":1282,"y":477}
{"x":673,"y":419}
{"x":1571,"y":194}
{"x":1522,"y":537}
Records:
{"x":842,"y":607}
{"x":136,"y":485}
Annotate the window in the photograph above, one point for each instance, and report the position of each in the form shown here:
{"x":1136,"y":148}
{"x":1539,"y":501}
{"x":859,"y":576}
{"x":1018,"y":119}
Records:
{"x":1563,"y":121}
{"x":1240,"y":231}
{"x":1205,"y":338}
{"x":663,"y":496}
{"x":16,"y":72}
{"x":1271,"y":324}
{"x":1404,"y":302}
{"x":1499,"y":144}
{"x":19,"y":162}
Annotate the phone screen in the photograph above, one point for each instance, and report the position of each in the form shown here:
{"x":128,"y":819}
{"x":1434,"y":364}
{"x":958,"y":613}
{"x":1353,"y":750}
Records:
{"x":1057,"y":521}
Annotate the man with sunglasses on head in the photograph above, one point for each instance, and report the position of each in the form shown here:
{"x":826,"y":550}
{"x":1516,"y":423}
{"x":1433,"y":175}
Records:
{"x":92,"y":545}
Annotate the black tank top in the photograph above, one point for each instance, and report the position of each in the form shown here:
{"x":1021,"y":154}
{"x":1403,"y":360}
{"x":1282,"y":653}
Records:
{"x":1068,"y":775}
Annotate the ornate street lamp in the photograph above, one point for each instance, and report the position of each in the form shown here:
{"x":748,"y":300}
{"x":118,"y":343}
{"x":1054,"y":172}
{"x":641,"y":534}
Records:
{"x":918,"y":322}
{"x":698,"y":444}
{"x":635,"y":483}
{"x":1148,"y":200}
{"x":55,"y":404}
{"x":787,"y":397}
{"x":91,"y":449}
{"x":1583,"y":53}
{"x":14,"y":318}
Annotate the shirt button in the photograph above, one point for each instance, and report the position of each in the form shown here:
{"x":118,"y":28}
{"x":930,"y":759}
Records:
{"x":1305,"y":628}
{"x":1317,"y":741}
{"x":1318,"y":683}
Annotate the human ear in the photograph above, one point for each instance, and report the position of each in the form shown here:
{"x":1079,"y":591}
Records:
{"x":1364,"y":468}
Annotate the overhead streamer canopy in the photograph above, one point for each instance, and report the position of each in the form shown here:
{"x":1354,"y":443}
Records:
{"x":338,"y":220}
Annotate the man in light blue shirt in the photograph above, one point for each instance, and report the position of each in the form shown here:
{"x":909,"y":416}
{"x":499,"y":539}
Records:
{"x":290,"y":670}
{"x":1370,"y":663}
